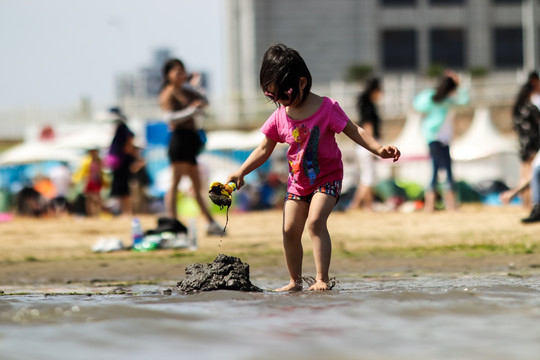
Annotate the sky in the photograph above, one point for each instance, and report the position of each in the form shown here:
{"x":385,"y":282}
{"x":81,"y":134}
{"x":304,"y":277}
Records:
{"x":54,"y":52}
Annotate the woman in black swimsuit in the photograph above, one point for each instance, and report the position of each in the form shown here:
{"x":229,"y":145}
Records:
{"x":181,"y":104}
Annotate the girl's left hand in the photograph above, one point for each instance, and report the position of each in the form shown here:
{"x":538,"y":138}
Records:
{"x":389,"y":152}
{"x":236,"y":178}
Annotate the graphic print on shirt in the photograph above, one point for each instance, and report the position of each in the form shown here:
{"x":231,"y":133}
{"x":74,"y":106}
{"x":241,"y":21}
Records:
{"x":307,"y":153}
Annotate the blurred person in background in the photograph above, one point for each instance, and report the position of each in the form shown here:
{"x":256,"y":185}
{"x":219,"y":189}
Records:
{"x":181,"y":103}
{"x":90,"y":175}
{"x":30,"y":202}
{"x":45,"y":187}
{"x":526,"y":123}
{"x":534,"y":216}
{"x":534,"y":80}
{"x":60,"y":176}
{"x":533,"y":183}
{"x":370,"y":121}
{"x":437,"y":127}
{"x":124,"y":160}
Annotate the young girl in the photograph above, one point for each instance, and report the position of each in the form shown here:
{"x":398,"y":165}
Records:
{"x":308,"y":123}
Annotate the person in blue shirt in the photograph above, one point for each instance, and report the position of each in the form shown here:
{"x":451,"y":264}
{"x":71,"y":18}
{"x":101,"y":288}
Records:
{"x":437,"y":128}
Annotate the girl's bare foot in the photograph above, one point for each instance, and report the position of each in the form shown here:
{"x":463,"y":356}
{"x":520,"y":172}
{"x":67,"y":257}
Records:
{"x":292,"y":286}
{"x":319,"y":285}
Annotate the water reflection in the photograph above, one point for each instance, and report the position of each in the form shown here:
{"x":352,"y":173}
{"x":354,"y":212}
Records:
{"x":482,"y":317}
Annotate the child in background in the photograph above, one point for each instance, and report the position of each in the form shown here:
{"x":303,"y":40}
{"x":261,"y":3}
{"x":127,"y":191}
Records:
{"x":94,"y":184}
{"x":307,"y":123}
{"x":91,"y":175}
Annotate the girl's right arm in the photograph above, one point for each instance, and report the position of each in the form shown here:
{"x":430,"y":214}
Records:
{"x":255,"y":159}
{"x":362,"y":138}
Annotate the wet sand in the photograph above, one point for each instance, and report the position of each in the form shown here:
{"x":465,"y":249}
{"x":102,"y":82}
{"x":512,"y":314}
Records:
{"x":476,"y":240}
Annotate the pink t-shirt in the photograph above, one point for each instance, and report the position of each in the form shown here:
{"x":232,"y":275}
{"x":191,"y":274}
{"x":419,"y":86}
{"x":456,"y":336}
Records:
{"x":313,"y":155}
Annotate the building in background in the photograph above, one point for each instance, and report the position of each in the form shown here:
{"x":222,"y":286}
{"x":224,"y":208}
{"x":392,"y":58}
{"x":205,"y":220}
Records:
{"x":392,"y":37}
{"x":144,"y":83}
{"x":399,"y":40}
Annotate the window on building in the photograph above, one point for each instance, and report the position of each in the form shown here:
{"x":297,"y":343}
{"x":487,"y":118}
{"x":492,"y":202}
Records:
{"x":506,"y":2}
{"x":509,"y":2}
{"x":399,"y":49}
{"x":398,"y":2}
{"x":447,"y":47}
{"x":446,"y":2}
{"x":508,"y":47}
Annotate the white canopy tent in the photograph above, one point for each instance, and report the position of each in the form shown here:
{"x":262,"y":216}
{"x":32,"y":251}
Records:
{"x":87,"y":136}
{"x":414,"y":164}
{"x":68,"y":143}
{"x":483,"y":153}
{"x":36,"y":151}
{"x":411,"y":141}
{"x":482,"y":139}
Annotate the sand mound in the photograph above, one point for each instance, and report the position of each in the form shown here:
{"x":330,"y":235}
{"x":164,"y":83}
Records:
{"x":224,"y":273}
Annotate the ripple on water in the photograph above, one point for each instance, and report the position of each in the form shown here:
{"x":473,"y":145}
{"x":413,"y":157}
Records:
{"x":470,"y":317}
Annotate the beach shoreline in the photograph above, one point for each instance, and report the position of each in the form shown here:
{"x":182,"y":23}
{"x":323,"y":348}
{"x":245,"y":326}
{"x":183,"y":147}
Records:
{"x":41,"y":254}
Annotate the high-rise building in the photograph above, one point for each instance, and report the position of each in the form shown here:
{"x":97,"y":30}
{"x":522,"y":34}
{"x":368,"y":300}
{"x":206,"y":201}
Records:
{"x":389,"y":36}
{"x":146,"y":82}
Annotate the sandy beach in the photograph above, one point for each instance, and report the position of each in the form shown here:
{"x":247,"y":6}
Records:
{"x":477,"y":239}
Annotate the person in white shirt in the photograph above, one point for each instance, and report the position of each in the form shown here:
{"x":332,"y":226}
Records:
{"x":61,"y":178}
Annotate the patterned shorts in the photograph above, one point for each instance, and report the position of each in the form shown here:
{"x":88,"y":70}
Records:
{"x":332,"y":188}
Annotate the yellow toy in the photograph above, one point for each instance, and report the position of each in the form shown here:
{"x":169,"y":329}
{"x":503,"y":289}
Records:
{"x":221,"y":194}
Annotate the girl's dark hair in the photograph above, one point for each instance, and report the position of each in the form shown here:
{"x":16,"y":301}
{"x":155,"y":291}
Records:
{"x":446,"y":85}
{"x":169,"y":64}
{"x":372,"y":85}
{"x":522,"y":98}
{"x":533,"y":76}
{"x":281,"y":68}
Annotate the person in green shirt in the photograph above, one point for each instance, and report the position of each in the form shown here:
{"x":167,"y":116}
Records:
{"x":437,"y":128}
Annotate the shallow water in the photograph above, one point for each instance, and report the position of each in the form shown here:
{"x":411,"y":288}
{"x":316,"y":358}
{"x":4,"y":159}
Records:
{"x":480,"y":317}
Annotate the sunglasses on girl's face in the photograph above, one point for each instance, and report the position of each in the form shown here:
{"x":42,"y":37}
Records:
{"x":284,"y":96}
